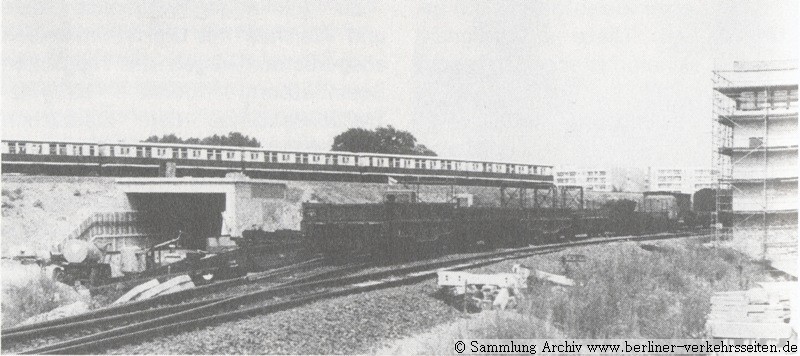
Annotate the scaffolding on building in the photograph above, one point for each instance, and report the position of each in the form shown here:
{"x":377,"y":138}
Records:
{"x":747,"y":88}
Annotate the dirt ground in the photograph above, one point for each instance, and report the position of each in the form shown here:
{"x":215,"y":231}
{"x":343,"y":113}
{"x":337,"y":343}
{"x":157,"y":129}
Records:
{"x":39,"y":211}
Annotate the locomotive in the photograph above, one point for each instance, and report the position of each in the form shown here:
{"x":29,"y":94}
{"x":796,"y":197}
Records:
{"x":401,"y":226}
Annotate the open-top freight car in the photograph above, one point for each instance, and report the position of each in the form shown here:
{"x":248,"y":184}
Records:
{"x":401,"y":226}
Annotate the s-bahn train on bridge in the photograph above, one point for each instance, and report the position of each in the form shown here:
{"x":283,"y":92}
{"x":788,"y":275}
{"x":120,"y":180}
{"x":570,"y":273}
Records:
{"x":157,"y":159}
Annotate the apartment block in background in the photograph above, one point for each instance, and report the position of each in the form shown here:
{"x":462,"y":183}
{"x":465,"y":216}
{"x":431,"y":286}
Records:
{"x":682,"y":179}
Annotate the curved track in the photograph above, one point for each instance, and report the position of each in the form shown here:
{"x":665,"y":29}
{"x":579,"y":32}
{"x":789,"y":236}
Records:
{"x":106,"y":331}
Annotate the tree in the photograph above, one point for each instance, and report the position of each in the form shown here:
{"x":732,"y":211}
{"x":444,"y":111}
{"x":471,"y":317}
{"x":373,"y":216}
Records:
{"x":171,"y":138}
{"x":381,"y":140}
{"x":705,"y":200}
{"x":231,"y":139}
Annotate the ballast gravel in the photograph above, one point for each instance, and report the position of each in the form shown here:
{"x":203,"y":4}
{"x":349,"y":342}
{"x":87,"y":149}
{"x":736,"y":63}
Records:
{"x":346,"y":325}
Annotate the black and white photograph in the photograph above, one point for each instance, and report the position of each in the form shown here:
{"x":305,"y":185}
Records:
{"x":409,"y":177}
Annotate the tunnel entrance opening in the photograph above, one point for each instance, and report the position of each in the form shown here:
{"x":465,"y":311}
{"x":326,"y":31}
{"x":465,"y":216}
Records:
{"x":196,"y":216}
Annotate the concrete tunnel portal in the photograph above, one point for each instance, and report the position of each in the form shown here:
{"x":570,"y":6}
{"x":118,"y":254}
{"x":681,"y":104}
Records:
{"x":203,"y":208}
{"x":197,"y":216}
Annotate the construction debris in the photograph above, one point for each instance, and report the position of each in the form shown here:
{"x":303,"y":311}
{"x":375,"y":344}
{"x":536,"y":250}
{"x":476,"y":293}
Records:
{"x":762,"y":312}
{"x":58,"y":313}
{"x":133,"y":293}
{"x":555,"y":278}
{"x":486,"y":291}
{"x":152,"y":289}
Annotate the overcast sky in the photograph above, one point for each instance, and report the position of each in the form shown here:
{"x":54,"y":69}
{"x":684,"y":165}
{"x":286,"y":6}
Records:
{"x":582,"y":83}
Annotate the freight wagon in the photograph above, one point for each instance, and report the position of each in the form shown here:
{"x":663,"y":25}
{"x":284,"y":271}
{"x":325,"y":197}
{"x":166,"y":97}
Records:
{"x":403,"y":227}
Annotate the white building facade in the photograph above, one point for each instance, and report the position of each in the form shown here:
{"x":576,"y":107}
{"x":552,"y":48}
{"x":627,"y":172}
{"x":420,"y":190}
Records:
{"x":610,"y":179}
{"x":682,"y":179}
{"x":756,"y":137}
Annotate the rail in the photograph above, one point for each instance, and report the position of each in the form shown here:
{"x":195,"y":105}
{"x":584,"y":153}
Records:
{"x":293,"y":295}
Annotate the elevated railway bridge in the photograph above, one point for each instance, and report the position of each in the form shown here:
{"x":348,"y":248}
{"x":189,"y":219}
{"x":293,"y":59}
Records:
{"x":180,"y":160}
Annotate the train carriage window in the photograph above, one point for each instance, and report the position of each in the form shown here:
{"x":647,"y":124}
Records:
{"x":254,"y":156}
{"x":230,"y":154}
{"x":54,"y":149}
{"x":304,"y":158}
{"x":34,"y":148}
{"x":384,"y":162}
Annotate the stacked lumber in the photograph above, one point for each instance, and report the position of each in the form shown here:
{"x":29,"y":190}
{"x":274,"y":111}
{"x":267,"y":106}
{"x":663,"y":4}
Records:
{"x":761,"y":312}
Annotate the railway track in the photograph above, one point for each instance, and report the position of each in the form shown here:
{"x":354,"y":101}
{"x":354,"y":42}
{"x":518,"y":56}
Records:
{"x":125,"y":314}
{"x":105,"y":330}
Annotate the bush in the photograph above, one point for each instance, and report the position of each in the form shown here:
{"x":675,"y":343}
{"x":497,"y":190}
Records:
{"x":41,"y":295}
{"x":13,"y":195}
{"x":632,"y":293}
